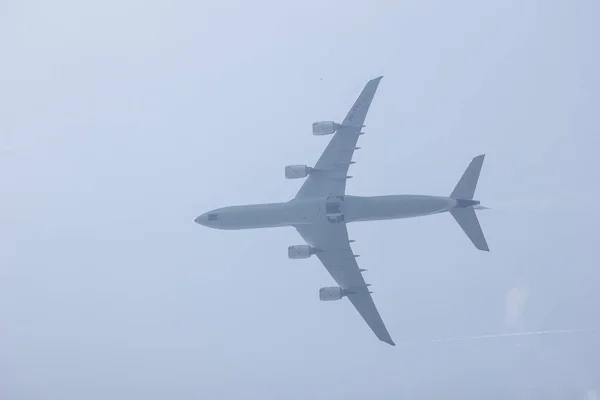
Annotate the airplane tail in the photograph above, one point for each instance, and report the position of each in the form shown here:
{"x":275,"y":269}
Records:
{"x":464,"y":212}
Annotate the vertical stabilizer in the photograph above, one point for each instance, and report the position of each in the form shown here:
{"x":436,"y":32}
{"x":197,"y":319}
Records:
{"x":464,"y":212}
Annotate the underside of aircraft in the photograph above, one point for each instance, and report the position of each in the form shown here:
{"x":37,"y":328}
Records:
{"x":321,"y":210}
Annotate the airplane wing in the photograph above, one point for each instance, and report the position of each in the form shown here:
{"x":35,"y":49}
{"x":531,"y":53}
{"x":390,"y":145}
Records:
{"x":330,"y":172}
{"x":337,"y":256}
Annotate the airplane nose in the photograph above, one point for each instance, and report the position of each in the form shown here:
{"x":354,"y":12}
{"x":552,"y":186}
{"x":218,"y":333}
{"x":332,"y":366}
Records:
{"x":202,"y":219}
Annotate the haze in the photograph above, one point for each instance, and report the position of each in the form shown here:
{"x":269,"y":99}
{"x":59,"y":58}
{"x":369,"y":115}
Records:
{"x":121,"y":121}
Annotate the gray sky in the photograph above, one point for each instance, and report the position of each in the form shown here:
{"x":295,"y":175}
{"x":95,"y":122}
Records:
{"x":121,"y":121}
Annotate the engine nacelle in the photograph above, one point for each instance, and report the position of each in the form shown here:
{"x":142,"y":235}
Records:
{"x":297,"y":171}
{"x":331,"y":293}
{"x":300,"y":251}
{"x":324,"y":128}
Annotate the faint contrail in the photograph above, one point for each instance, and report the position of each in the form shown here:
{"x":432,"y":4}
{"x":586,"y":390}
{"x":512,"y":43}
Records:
{"x":499,"y":335}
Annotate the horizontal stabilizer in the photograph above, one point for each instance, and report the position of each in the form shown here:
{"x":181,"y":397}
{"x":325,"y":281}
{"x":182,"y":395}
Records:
{"x":467,"y":219}
{"x":465,"y":188}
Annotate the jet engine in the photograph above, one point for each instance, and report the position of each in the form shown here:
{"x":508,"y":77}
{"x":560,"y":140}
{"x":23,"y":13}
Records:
{"x":331,"y":293}
{"x":324,"y":128}
{"x":297,"y":171}
{"x":300,"y":251}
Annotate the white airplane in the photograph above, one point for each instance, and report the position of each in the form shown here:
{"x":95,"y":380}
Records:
{"x":321,"y":210}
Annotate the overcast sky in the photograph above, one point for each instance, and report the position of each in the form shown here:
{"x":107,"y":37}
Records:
{"x":121,"y":121}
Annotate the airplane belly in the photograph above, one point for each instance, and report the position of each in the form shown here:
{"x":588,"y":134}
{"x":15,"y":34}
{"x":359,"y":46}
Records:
{"x":270,"y":215}
{"x":333,"y":209}
{"x":393,"y":207}
{"x":250,"y":216}
{"x":257,"y":219}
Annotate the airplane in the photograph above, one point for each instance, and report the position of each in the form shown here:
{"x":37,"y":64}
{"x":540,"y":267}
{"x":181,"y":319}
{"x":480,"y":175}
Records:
{"x":321,"y":210}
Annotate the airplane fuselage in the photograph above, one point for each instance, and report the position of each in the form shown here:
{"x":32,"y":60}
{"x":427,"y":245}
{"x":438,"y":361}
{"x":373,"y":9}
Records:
{"x":321,"y":209}
{"x":332,"y":209}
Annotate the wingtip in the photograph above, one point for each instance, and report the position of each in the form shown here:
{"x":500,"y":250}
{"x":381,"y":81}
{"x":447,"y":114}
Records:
{"x":378,"y":78}
{"x":388,"y":340}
